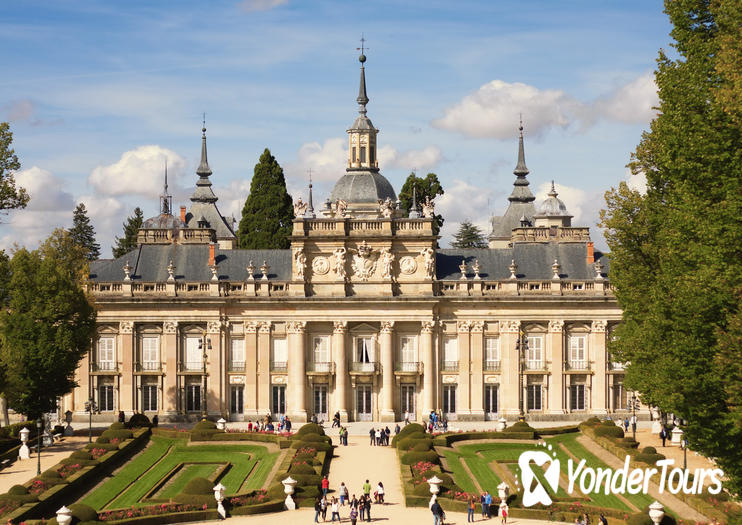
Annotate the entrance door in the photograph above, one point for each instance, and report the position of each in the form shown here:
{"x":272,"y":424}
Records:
{"x":491,"y":402}
{"x":236,"y":405}
{"x":363,"y":403}
{"x":449,"y":402}
{"x":407,"y":402}
{"x":278,"y":400}
{"x":320,"y":402}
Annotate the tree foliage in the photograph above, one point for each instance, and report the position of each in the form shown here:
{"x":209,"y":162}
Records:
{"x":47,"y":326}
{"x":429,"y":186}
{"x":11,"y":196}
{"x":469,"y":236}
{"x":83,"y":233}
{"x":128,"y":242}
{"x":268,"y":213}
{"x":676,"y":252}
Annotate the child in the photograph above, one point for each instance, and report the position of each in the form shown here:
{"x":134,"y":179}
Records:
{"x":353,"y":515}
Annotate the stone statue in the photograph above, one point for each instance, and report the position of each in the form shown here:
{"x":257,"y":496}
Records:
{"x":301,"y":262}
{"x":428,"y":208}
{"x":387,"y":258}
{"x":300,"y":207}
{"x":386,"y":207}
{"x":428,"y":255}
{"x":340,"y":208}
{"x":340,"y":262}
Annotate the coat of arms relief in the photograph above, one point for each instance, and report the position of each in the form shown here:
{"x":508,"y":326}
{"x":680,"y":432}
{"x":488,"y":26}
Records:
{"x":364,"y":261}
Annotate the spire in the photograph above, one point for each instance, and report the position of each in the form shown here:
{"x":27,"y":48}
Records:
{"x":166,"y":201}
{"x":414,"y":214}
{"x":309,"y":214}
{"x":203,"y":191}
{"x":553,"y":192}
{"x":520,"y":168}
{"x":203,"y":168}
{"x":362,"y":97}
{"x":521,"y":193}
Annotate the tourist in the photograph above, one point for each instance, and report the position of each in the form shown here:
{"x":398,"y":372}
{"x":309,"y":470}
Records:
{"x":504,"y":514}
{"x":367,"y":489}
{"x":335,"y":509}
{"x":626,"y":424}
{"x":378,"y":437}
{"x":482,"y":502}
{"x":445,"y":425}
{"x":343,"y":494}
{"x":587,"y":519}
{"x":470,"y":510}
{"x":385,"y":435}
{"x":362,"y":507}
{"x":336,"y":420}
{"x":353,"y":515}
{"x":345,"y":436}
{"x":155,"y":421}
{"x":368,"y":508}
{"x":323,"y":506}
{"x":488,"y":503}
{"x":438,"y":515}
{"x":663,"y":435}
{"x":354,"y":502}
{"x":603,"y":521}
{"x":122,"y":417}
{"x":372,"y":435}
{"x":325,"y":486}
{"x":406,"y":418}
{"x":380,"y":492}
{"x":396,"y":429}
{"x":317,"y":510}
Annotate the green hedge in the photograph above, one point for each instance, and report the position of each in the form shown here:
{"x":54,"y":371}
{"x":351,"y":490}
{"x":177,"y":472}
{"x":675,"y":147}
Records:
{"x":448,"y":439}
{"x":117,"y":434}
{"x":310,"y":428}
{"x":410,"y":458}
{"x":554,"y":431}
{"x":320,"y":447}
{"x":609,"y":431}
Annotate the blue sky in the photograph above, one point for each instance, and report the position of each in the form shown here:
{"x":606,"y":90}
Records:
{"x":100,"y":94}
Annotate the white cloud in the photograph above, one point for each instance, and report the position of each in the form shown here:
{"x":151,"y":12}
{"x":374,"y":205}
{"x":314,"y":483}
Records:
{"x":20,"y":110}
{"x":45,"y":190}
{"x":637,"y":182}
{"x":327,"y":161}
{"x":494,"y":109}
{"x":419,"y":159}
{"x":476,"y":209}
{"x":261,"y":5}
{"x":138,"y":172}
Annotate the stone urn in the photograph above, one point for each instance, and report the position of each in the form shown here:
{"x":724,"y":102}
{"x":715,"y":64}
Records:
{"x":502,"y":424}
{"x":221,"y":424}
{"x":24,"y":452}
{"x":677,"y":436}
{"x":503,"y":489}
{"x":219,"y":497}
{"x":288,"y":488}
{"x":435,"y":484}
{"x":656,"y":512}
{"x":64,"y":516}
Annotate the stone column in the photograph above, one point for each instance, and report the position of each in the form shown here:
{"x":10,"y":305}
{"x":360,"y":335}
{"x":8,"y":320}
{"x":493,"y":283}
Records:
{"x":477,"y":368}
{"x":597,"y":347}
{"x":555,"y":349}
{"x":464,"y":400}
{"x":215,"y":372}
{"x":341,"y":368}
{"x":169,"y":353}
{"x":126,"y":356}
{"x":509,"y":368}
{"x":429,"y":368}
{"x":297,"y":371}
{"x":251,"y":368}
{"x":387,"y":371}
{"x":82,"y":376}
{"x":264,"y":370}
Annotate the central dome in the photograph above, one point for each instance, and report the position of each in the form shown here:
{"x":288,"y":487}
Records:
{"x":362,"y":186}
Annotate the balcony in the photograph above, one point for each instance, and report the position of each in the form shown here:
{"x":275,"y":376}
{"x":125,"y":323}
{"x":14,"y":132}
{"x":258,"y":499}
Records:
{"x":236,"y":366}
{"x":532,"y":365}
{"x":148,"y":366}
{"x":320,"y":368}
{"x":402,"y":368}
{"x":450,"y":366}
{"x":357,"y":368}
{"x":279,"y":366}
{"x":491,"y":366}
{"x":104,"y":367}
{"x":191,"y":367}
{"x":580,"y":365}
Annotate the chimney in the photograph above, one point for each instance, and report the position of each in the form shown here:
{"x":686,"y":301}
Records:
{"x":212,"y":254}
{"x":590,"y":253}
{"x":182,"y":213}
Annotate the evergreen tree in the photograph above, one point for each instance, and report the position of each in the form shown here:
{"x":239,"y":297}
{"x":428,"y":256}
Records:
{"x":429,"y":186}
{"x":11,"y":196}
{"x":268,"y":213}
{"x":469,"y":236}
{"x":83,"y":233}
{"x":676,"y":252}
{"x":128,"y":242}
{"x":47,"y":327}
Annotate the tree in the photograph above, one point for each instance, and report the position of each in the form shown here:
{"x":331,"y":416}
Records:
{"x":128,"y":242}
{"x":4,"y":297}
{"x":83,"y":233}
{"x":469,"y":236}
{"x":429,"y":186}
{"x":48,"y":325}
{"x":676,"y":252}
{"x":11,"y":196}
{"x":268,"y":213}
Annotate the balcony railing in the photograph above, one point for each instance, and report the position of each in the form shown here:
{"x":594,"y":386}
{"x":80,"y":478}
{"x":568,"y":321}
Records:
{"x":191,"y":366}
{"x":104,"y":366}
{"x":577,"y":364}
{"x":148,"y":366}
{"x":236,"y":366}
{"x":450,"y":366}
{"x":364,"y":367}
{"x":414,"y":367}
{"x":279,"y":366}
{"x":532,"y":364}
{"x":322,"y":367}
{"x":491,"y":366}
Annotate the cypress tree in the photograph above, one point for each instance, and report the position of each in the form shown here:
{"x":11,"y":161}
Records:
{"x":468,"y":236}
{"x":83,"y":233}
{"x":268,"y":213}
{"x":129,"y":241}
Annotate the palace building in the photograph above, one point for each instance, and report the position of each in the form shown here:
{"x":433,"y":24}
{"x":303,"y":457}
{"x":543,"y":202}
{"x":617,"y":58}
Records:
{"x":363,"y":315}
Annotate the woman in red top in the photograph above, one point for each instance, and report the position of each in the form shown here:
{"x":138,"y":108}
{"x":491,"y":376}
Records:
{"x":325,"y":485}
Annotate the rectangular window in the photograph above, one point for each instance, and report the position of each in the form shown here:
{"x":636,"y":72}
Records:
{"x":449,"y":401}
{"x":237,"y":355}
{"x":193,"y":398}
{"x":279,"y":354}
{"x":533,"y":397}
{"x":193,"y":354}
{"x":321,"y":349}
{"x":408,"y":353}
{"x":237,"y":399}
{"x":491,"y":399}
{"x":534,"y":354}
{"x":371,"y":154}
{"x":620,"y":397}
{"x":149,"y":398}
{"x":363,"y":153}
{"x":106,"y":353}
{"x":365,"y":350}
{"x":105,"y":398}
{"x":577,"y":397}
{"x":577,"y":354}
{"x":278,"y":399}
{"x":150,"y":353}
{"x":353,"y":155}
{"x":492,"y":353}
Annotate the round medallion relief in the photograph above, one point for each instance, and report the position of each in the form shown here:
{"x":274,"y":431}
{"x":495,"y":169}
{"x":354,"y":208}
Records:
{"x":407,"y":265}
{"x":320,"y":265}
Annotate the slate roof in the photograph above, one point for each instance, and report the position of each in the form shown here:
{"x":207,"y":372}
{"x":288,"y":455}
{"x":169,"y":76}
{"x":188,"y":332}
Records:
{"x":367,"y":186}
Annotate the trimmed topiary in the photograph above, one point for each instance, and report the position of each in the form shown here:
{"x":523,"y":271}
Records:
{"x":118,"y":434}
{"x":81,"y":454}
{"x":411,"y":458}
{"x":102,"y":439}
{"x":423,"y":445}
{"x":649,"y":459}
{"x":205,"y":425}
{"x":649,"y":450}
{"x":627,"y":442}
{"x":422,"y":489}
{"x":18,"y":490}
{"x":310,"y":428}
{"x":198,"y":485}
{"x":318,"y":446}
{"x":314,"y":438}
{"x":609,"y":431}
{"x":117,"y":426}
{"x":51,"y":475}
{"x":592,"y":421}
{"x":83,"y":512}
{"x":139,"y":421}
{"x":302,"y":469}
{"x":520,"y":426}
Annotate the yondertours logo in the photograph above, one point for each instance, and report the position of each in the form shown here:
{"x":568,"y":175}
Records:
{"x":589,"y":480}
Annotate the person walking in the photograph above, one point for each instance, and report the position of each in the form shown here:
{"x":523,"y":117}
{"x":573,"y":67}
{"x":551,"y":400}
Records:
{"x":406,"y":418}
{"x":470,"y":510}
{"x":488,"y":503}
{"x":378,"y":437}
{"x":353,"y":516}
{"x":387,"y":433}
{"x":368,"y":508}
{"x":317,"y":510}
{"x":325,"y":486}
{"x":396,"y":429}
{"x":372,"y":435}
{"x":335,"y":509}
{"x":438,"y":514}
{"x":362,"y":507}
{"x":323,"y":507}
{"x":603,"y":521}
{"x":380,"y":492}
{"x":343,"y":491}
{"x":663,"y":435}
{"x":481,"y":502}
{"x":367,"y":489}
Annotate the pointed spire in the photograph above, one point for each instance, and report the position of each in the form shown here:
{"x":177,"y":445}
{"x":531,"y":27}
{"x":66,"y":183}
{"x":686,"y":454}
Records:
{"x":414,"y":214}
{"x":166,"y":200}
{"x":553,"y":192}
{"x":520,"y":168}
{"x":203,"y":168}
{"x":203,"y":191}
{"x":362,"y":97}
{"x":309,"y":214}
{"x":521,"y":193}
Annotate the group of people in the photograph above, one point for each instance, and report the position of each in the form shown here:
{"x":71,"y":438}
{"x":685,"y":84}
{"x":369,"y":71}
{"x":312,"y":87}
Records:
{"x":436,"y":422}
{"x":267,"y":424}
{"x":379,"y":436}
{"x":584,"y":519}
{"x":360,"y":508}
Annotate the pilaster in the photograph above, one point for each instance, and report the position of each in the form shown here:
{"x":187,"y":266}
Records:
{"x":555,"y":349}
{"x":264,"y":363}
{"x":477,"y":368}
{"x":126,"y":357}
{"x":296,"y":371}
{"x":216,"y":374}
{"x":169,"y":352}
{"x":463,"y":410}
{"x":429,"y":368}
{"x":340,"y":329}
{"x":387,"y":371}
{"x":251,"y":368}
{"x":598,"y":350}
{"x":510,"y":368}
